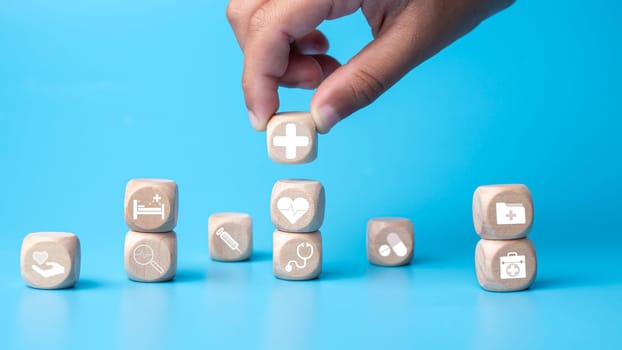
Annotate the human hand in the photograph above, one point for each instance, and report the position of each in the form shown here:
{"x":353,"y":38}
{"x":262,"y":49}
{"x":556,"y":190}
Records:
{"x":282,"y":47}
{"x":54,"y":269}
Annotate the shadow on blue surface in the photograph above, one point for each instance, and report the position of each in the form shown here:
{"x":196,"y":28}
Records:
{"x":189,"y":276}
{"x":88,"y":284}
{"x":344,"y":270}
{"x":261,"y":256}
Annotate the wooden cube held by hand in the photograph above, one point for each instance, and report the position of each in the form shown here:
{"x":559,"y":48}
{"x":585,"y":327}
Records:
{"x":50,"y":260}
{"x":292,"y":138}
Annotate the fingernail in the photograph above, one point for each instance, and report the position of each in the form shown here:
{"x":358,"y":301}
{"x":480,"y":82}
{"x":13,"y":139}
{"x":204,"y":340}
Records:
{"x":255,"y":123}
{"x":312,"y":49}
{"x":325,"y":118}
{"x":308,"y":84}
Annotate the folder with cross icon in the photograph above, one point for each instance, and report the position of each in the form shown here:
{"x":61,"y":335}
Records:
{"x":510,"y":213}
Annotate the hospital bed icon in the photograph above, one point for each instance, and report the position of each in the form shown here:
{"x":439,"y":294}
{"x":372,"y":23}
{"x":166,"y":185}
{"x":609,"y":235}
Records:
{"x":141,"y":210}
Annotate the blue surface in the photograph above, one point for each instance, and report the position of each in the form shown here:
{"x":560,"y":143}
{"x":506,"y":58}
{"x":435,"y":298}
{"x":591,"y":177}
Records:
{"x":532,"y":96}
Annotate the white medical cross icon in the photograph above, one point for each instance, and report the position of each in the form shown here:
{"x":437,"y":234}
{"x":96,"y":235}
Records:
{"x":513,"y":270}
{"x":290,"y":141}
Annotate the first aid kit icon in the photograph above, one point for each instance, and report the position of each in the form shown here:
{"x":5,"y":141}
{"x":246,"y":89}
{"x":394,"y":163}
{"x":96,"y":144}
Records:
{"x":510,"y":214}
{"x":512,"y":266}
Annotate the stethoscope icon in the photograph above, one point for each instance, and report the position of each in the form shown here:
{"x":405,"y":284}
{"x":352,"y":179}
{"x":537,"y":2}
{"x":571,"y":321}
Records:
{"x":302,"y":245}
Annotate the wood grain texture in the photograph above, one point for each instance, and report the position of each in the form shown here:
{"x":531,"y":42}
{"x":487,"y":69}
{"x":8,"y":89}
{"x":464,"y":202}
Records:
{"x":505,"y":265}
{"x":151,"y":205}
{"x":50,"y":260}
{"x":503,"y":211}
{"x":230,"y":236}
{"x":150,"y":257}
{"x":291,"y":138}
{"x":297,"y":205}
{"x":390,"y":241}
{"x":297,"y":256}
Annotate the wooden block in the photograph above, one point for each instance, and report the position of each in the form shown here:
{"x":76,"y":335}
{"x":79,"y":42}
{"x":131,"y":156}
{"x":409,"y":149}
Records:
{"x":297,"y":205}
{"x":505,"y":265}
{"x":150,"y":257}
{"x":390,"y":241}
{"x":297,"y":256}
{"x":230,"y":236}
{"x":292,"y":138}
{"x":502,"y":211}
{"x":50,"y":260}
{"x":151,"y":205}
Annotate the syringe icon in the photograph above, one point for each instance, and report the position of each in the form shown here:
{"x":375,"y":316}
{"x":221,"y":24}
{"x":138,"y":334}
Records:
{"x":226,"y":237}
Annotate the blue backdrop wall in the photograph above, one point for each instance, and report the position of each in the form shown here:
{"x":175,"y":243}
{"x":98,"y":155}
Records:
{"x":95,"y":93}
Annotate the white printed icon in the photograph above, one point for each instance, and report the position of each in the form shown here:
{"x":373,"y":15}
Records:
{"x":510,"y":214}
{"x":144,"y":255}
{"x":512,"y":266}
{"x":54,"y":269}
{"x":292,"y":209}
{"x":229,"y":241}
{"x":140,"y":209}
{"x":395,"y":244}
{"x":305,"y":255}
{"x":290,"y":141}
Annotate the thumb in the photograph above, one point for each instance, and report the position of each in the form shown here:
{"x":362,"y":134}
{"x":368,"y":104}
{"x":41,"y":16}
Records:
{"x":364,"y":78}
{"x":403,"y":41}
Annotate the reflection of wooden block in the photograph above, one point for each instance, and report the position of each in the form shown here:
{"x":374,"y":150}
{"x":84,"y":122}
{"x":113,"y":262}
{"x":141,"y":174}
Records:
{"x":151,"y":205}
{"x":297,"y":256}
{"x":297,"y":205}
{"x":50,"y":260}
{"x":502,"y":211}
{"x":292,"y":138}
{"x":230,"y":236}
{"x":505,"y":265}
{"x":390,"y":241}
{"x":151,"y":257}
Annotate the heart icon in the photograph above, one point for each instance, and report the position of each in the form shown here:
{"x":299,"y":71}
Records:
{"x":40,"y":257}
{"x":292,"y":209}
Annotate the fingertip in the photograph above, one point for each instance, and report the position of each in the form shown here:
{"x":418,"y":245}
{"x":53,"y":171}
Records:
{"x":327,"y":63}
{"x":324,"y":117}
{"x":314,"y":43}
{"x":257,"y":123}
{"x":262,"y":101}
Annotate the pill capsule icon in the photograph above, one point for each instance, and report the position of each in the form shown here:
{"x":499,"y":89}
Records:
{"x":384,"y":250}
{"x":399,"y":248}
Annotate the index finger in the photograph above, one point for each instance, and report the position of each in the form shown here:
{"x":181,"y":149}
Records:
{"x":272,"y":29}
{"x":238,"y":14}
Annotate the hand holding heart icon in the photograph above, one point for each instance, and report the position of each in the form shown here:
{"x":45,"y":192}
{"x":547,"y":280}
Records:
{"x":40,"y":257}
{"x":53,"y":268}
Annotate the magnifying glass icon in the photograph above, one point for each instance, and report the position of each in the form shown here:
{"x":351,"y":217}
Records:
{"x":144,"y":255}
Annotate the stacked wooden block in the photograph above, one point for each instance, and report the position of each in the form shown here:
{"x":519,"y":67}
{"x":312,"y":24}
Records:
{"x":296,"y":206}
{"x":505,"y":259}
{"x":151,"y":244}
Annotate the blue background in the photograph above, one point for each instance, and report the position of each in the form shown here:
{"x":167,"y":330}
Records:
{"x":531,"y":96}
